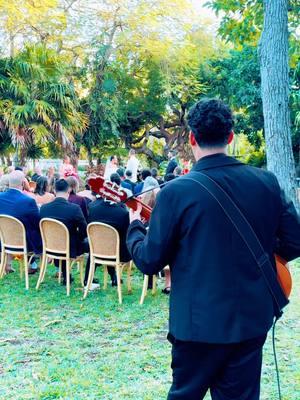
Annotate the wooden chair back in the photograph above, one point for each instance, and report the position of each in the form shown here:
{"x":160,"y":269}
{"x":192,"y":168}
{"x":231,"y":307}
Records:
{"x":55,"y":236}
{"x":104,"y":241}
{"x":12,"y":232}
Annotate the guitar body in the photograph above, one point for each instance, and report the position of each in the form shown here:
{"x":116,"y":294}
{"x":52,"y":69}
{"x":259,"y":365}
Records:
{"x":283,"y":275}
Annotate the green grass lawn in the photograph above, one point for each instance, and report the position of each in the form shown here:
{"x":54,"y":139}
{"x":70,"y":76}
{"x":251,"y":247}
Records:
{"x":54,"y":347}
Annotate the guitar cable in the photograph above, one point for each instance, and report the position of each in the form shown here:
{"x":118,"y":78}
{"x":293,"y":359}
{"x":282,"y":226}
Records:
{"x":275,"y":360}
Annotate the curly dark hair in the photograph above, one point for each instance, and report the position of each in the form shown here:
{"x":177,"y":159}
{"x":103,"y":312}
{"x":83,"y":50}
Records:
{"x":211,"y":122}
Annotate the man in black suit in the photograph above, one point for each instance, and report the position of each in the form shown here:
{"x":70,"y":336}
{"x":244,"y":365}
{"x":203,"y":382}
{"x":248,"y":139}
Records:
{"x":172,"y":162}
{"x":69,"y":214}
{"x":220,"y":305}
{"x":116,"y":215}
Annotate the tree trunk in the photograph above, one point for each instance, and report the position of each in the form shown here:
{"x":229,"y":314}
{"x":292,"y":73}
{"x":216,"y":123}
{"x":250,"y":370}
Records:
{"x":90,"y":157}
{"x":22,"y":156}
{"x":11,"y":45}
{"x":9,"y":161}
{"x":274,"y":70}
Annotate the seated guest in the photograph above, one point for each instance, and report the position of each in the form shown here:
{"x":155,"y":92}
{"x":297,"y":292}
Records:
{"x":115,"y":178}
{"x":87,"y":193}
{"x":140,"y":186}
{"x":16,"y":204}
{"x":128,"y":180}
{"x":121,"y":172}
{"x":26,"y":187}
{"x":41,"y":192}
{"x":116,"y":215}
{"x":152,"y":185}
{"x":74,"y":198}
{"x":71,"y":215}
{"x":124,"y":185}
{"x":52,"y":181}
{"x":37,"y":173}
{"x":4,"y":183}
{"x":178,"y":171}
{"x":154,"y":174}
{"x":169,"y":177}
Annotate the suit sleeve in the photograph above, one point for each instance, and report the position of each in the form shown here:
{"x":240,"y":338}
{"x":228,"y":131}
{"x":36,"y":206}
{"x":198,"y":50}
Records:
{"x":288,"y":233}
{"x":34,"y":213}
{"x":33,"y":233}
{"x":151,"y":251}
{"x":81,"y":223}
{"x":84,"y":209}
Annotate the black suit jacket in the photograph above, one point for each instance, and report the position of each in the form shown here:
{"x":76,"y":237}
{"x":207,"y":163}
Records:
{"x":115,"y":215}
{"x":218,"y":294}
{"x":71,"y":215}
{"x":171,"y":166}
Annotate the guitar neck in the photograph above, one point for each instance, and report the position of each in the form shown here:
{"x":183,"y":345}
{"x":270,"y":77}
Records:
{"x":113,"y":192}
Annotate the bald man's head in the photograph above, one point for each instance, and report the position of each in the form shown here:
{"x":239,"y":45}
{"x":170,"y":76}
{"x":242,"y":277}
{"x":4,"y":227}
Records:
{"x":16,"y":179}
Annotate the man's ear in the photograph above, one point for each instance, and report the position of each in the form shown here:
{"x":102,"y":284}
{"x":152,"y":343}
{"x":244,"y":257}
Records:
{"x":230,"y":137}
{"x":192,"y":139}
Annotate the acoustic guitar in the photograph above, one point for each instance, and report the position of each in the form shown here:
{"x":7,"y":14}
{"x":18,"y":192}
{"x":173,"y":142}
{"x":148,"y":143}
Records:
{"x":111,"y":191}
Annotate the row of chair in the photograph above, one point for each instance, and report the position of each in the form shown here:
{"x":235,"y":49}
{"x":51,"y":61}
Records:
{"x":104,"y":242}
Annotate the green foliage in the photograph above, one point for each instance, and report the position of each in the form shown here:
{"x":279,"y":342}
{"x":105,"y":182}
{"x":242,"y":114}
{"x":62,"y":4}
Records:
{"x":235,"y":78}
{"x":5,"y":143}
{"x":37,"y":102}
{"x":123,"y":74}
{"x":242,"y":20}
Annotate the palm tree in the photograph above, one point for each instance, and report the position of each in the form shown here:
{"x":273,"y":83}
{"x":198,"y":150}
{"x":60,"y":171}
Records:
{"x":37,"y":102}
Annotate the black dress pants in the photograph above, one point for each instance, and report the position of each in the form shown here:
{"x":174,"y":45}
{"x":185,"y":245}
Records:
{"x":81,"y":248}
{"x":229,"y":371}
{"x":111,"y":271}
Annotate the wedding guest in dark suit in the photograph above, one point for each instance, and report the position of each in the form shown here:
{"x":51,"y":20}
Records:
{"x":73,"y":196}
{"x":116,"y":215}
{"x":71,"y":216}
{"x":16,"y":204}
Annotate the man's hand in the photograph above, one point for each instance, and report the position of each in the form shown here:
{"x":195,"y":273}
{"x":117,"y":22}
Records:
{"x":136,"y":215}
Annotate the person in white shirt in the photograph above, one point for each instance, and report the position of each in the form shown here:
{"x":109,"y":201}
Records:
{"x":111,"y":167}
{"x":133,"y":165}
